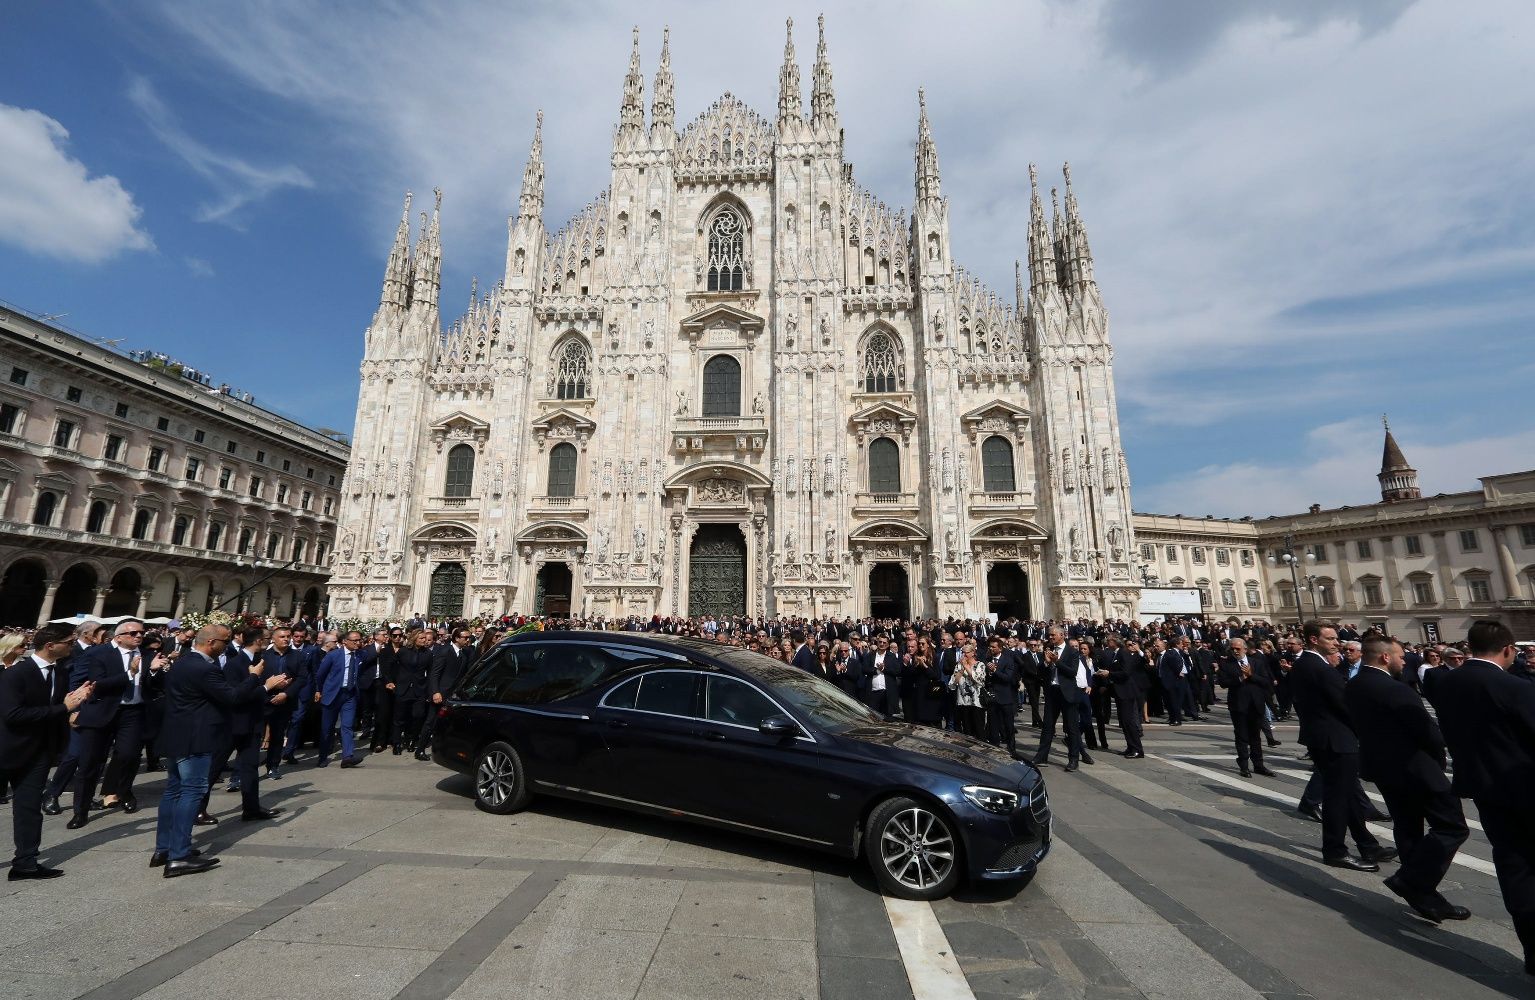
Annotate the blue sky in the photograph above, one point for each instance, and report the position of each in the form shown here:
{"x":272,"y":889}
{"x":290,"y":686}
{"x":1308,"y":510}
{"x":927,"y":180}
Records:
{"x":1305,"y":212}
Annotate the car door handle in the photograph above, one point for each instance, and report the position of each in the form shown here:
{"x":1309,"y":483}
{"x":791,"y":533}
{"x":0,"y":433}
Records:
{"x":617,"y":724}
{"x":711,"y":734}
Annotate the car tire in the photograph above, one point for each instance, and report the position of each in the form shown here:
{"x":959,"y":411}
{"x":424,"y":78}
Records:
{"x":913,"y":848}
{"x":500,"y":781}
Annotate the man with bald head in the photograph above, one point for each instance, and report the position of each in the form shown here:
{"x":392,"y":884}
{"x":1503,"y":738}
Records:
{"x":198,"y":702}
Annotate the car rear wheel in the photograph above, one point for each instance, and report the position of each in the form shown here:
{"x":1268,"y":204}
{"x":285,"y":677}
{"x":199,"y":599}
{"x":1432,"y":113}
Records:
{"x":913,"y":848}
{"x":500,"y":783}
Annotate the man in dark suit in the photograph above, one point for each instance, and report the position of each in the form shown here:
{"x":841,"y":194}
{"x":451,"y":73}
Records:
{"x":300,"y":688}
{"x":34,"y":729}
{"x":1002,"y":682}
{"x":198,"y":700}
{"x":1067,"y":679}
{"x":1031,"y":667}
{"x":948,"y":659}
{"x":1173,"y":669}
{"x":1122,"y":674}
{"x":1247,"y":681}
{"x":1328,"y":733}
{"x":804,"y":656}
{"x":450,"y":663}
{"x":1402,"y":751}
{"x":884,"y":688}
{"x":1488,"y":720}
{"x":245,"y":724}
{"x":335,"y":691}
{"x":281,"y":658}
{"x":387,"y":642}
{"x":88,"y":633}
{"x":112,"y":719}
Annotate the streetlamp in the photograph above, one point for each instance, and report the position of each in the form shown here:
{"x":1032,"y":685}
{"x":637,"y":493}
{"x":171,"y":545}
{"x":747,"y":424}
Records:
{"x":1147,"y":580}
{"x":258,"y":564}
{"x":1287,"y":556}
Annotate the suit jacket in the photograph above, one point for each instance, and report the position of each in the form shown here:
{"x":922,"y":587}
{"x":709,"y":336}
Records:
{"x":804,"y":658}
{"x":1002,"y":679}
{"x":198,"y":703}
{"x":33,"y":719}
{"x":411,"y":668}
{"x":1317,"y":690}
{"x":1170,"y":667}
{"x":388,"y":666}
{"x":367,"y":671}
{"x":1252,"y":694}
{"x":1488,"y":719}
{"x":104,"y":665}
{"x":243,"y":719}
{"x":1399,"y":744}
{"x":330,"y":679}
{"x":1123,"y":677}
{"x":294,"y":663}
{"x":448,"y":666}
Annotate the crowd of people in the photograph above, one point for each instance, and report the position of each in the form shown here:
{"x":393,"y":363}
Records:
{"x":95,"y":704}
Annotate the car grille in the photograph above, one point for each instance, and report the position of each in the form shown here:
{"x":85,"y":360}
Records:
{"x":1016,"y":856}
{"x":1039,"y":805}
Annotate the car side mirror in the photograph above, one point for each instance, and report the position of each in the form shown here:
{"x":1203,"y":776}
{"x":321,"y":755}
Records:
{"x":778,"y":725}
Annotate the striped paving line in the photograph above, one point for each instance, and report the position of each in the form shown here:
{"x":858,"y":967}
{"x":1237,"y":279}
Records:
{"x":931,"y":967}
{"x":1466,"y":861}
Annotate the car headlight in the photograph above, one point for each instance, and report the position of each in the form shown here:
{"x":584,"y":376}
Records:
{"x":995,"y":800}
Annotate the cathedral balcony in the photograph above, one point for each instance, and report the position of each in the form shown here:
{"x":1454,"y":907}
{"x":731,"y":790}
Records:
{"x":563,"y":507}
{"x":742,"y":434}
{"x":882,"y":504}
{"x":988,"y":504}
{"x":455,"y":506}
{"x":876,"y":298}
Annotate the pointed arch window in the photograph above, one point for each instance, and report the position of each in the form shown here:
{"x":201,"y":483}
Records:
{"x":727,"y":252}
{"x":884,"y":466}
{"x":562,"y":470}
{"x":997,"y":465}
{"x":881,"y":364}
{"x":722,"y":387}
{"x":96,"y":519}
{"x":572,"y":375}
{"x":460,"y":477}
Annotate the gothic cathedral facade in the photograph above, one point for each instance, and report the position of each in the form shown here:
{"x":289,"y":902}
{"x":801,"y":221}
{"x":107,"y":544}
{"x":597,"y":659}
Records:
{"x":738,"y":383}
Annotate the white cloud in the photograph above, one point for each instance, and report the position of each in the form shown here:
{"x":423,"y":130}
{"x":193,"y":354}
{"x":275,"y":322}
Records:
{"x":49,"y":203}
{"x":1349,"y":455}
{"x":199,"y":267}
{"x":236,"y":182}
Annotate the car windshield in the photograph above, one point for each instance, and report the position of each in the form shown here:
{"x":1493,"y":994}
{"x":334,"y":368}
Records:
{"x":819,"y":700}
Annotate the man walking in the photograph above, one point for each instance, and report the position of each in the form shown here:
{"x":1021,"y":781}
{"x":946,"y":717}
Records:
{"x":1489,"y":727}
{"x":1402,"y":751}
{"x":245,"y":724}
{"x":335,"y":684}
{"x":112,"y":719}
{"x":449,"y":664}
{"x":1326,"y":730}
{"x":1248,"y":683}
{"x":34,"y":729}
{"x":1125,"y":679}
{"x":1066,"y":680}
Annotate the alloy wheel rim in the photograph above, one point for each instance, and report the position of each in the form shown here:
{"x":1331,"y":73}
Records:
{"x":917,"y":848}
{"x":497,"y":776}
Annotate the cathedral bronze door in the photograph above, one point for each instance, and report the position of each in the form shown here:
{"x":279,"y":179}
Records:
{"x":1007,"y":591}
{"x":889,"y":596}
{"x":446,"y":599}
{"x":717,"y":571}
{"x":552,"y":594}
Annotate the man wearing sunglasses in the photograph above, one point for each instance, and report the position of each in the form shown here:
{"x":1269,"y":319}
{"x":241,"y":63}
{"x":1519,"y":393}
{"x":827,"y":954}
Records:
{"x":113,"y":717}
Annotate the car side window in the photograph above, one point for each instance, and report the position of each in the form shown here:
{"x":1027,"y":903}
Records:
{"x":490,"y":676}
{"x":669,"y":692}
{"x":535,"y":673}
{"x":623,"y":696}
{"x":736,"y":703}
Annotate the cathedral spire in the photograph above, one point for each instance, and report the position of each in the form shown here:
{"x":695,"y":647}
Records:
{"x":1042,"y":272}
{"x":927,"y":156}
{"x":1080,"y":259}
{"x":663,"y":101}
{"x":631,"y":116}
{"x":790,"y":107}
{"x":823,"y":103}
{"x":1398,"y":480}
{"x":530,"y":204}
{"x":428,"y":257}
{"x":397,"y":273}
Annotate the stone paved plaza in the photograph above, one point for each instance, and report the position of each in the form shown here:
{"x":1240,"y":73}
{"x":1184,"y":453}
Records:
{"x":1170,"y":877}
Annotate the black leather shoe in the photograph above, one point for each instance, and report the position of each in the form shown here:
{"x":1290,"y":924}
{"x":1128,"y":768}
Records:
{"x":75,"y":822}
{"x":422,"y":756}
{"x":1070,"y":767}
{"x":1275,"y":743}
{"x":1309,"y":812}
{"x":350,"y":762}
{"x":1085,"y":758}
{"x":1380,"y":855}
{"x":51,"y":806}
{"x":251,"y":815}
{"x":1352,"y":864}
{"x":203,"y":819}
{"x":130,"y":806}
{"x":1264,"y":771}
{"x":1195,"y":718}
{"x":1431,"y":907}
{"x":99,"y":806}
{"x":1244,"y":772}
{"x":191,"y":866}
{"x":37,"y":871}
{"x":159,"y":858}
{"x":272,"y":774}
{"x":397,"y":751}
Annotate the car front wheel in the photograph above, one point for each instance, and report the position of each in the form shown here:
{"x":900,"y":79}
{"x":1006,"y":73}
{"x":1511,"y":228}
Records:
{"x":500,"y":783}
{"x":913,"y":848}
